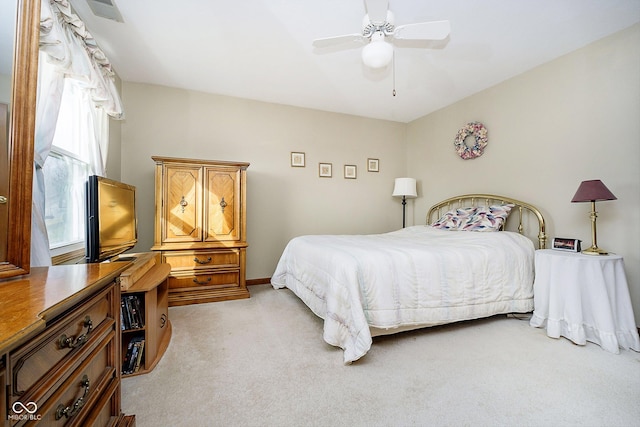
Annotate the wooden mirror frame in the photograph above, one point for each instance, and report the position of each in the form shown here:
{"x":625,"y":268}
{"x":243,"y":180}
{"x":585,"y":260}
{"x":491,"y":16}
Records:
{"x":21,"y":138}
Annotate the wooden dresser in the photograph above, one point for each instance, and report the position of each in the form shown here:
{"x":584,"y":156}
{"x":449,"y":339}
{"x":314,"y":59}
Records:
{"x":60,"y":347}
{"x":200,"y":228}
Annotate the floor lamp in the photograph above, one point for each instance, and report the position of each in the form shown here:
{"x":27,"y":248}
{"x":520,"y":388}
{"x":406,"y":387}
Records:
{"x":405,"y":188}
{"x":592,"y":191}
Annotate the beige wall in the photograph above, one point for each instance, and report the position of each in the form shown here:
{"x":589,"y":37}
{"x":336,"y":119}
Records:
{"x":114,"y":155}
{"x":5,"y":88}
{"x":283,"y":202}
{"x":573,"y":119}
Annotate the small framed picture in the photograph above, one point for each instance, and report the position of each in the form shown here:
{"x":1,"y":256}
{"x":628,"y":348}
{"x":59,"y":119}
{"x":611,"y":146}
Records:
{"x":324,"y":170}
{"x":297,"y":159}
{"x":350,"y":171}
{"x":373,"y":165}
{"x":563,"y":244}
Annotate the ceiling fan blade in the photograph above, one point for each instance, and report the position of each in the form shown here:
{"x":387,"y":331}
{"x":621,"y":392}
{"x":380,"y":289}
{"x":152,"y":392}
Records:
{"x":340,"y":40}
{"x":377,"y":10}
{"x":434,"y":30}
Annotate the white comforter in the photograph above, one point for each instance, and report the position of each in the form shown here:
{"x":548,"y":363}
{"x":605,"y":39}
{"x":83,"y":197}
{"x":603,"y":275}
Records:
{"x":415,"y":276}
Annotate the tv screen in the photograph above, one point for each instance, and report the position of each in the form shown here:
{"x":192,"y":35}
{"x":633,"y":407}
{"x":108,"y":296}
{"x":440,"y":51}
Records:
{"x":111,"y":218}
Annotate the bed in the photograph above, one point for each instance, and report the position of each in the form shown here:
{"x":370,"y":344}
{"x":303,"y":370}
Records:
{"x":474,"y":258}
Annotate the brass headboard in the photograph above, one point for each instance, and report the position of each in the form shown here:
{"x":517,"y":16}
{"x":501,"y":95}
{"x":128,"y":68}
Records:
{"x":468,"y":200}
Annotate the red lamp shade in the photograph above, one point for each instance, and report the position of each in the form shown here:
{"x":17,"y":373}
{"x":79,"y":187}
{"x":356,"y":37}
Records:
{"x":591,"y":191}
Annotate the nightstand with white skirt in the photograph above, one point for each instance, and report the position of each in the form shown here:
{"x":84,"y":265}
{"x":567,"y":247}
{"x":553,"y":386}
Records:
{"x":584,"y":298}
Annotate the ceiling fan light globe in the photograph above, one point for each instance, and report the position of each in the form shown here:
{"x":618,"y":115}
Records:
{"x":377,"y":54}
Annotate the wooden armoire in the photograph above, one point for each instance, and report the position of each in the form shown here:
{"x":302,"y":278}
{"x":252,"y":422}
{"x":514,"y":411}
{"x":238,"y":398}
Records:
{"x":200,"y":228}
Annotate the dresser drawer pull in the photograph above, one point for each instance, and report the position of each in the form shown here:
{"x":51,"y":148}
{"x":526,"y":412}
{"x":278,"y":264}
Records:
{"x":73,"y":342}
{"x":201,"y":282}
{"x":199,"y":261}
{"x":70,"y":411}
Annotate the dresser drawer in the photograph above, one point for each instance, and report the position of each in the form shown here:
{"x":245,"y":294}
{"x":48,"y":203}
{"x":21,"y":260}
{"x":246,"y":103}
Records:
{"x":78,"y":396}
{"x":102,"y":412}
{"x":188,"y":282}
{"x":195,"y":260}
{"x":41,"y":363}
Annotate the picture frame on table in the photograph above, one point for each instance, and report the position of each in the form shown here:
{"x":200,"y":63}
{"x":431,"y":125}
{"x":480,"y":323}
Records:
{"x":373,"y":165}
{"x":297,"y":159}
{"x":325,"y":170}
{"x":565,"y":244}
{"x":350,"y":171}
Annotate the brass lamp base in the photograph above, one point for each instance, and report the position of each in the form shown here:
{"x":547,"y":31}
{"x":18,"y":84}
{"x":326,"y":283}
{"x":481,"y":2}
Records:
{"x":594,"y":250}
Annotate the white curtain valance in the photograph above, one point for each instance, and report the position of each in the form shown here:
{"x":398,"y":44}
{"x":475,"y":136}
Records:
{"x":71,"y":47}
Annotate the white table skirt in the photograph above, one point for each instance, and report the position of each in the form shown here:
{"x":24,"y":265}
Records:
{"x":584,"y":298}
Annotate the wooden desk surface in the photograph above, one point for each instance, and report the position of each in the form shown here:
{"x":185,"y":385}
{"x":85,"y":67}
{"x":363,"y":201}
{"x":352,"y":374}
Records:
{"x":28,"y":302}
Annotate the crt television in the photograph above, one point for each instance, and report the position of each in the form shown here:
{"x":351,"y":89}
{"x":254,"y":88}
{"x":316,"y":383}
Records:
{"x":111,"y":226}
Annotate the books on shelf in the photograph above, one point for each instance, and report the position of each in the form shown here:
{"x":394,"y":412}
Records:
{"x":131,"y":312}
{"x":134,"y":356}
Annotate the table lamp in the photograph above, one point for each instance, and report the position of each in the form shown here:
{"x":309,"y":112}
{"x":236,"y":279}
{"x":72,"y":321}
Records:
{"x":592,"y":191}
{"x":405,"y":188}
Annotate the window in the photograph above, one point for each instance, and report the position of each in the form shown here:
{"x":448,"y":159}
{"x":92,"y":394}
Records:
{"x":76,"y":153}
{"x":65,"y":176}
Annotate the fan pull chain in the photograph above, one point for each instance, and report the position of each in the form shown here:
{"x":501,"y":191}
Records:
{"x":393,"y":70}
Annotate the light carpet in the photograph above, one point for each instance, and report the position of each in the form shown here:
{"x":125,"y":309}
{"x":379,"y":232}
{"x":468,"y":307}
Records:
{"x":262,"y":362}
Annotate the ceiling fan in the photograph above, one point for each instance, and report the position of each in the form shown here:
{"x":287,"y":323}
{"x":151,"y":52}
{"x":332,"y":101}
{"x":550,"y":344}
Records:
{"x":378,"y":31}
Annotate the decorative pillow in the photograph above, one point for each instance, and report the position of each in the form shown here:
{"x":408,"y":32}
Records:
{"x":490,"y":218}
{"x":454,"y":219}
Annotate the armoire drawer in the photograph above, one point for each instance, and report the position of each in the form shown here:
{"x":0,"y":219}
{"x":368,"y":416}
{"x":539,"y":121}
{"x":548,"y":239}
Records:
{"x":195,"y":260}
{"x":204,"y":280}
{"x":62,"y":347}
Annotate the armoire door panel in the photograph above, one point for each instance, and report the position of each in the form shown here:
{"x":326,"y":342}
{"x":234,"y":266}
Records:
{"x":223,"y":214}
{"x":182,"y":209}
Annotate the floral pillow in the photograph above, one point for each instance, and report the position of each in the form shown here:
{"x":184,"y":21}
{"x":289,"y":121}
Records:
{"x":454,"y":219}
{"x":490,"y":218}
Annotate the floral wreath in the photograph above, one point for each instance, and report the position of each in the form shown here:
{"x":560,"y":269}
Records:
{"x":479,"y":132}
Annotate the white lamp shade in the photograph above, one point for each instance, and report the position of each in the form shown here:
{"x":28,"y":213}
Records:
{"x":378,"y":53}
{"x":405,"y":187}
